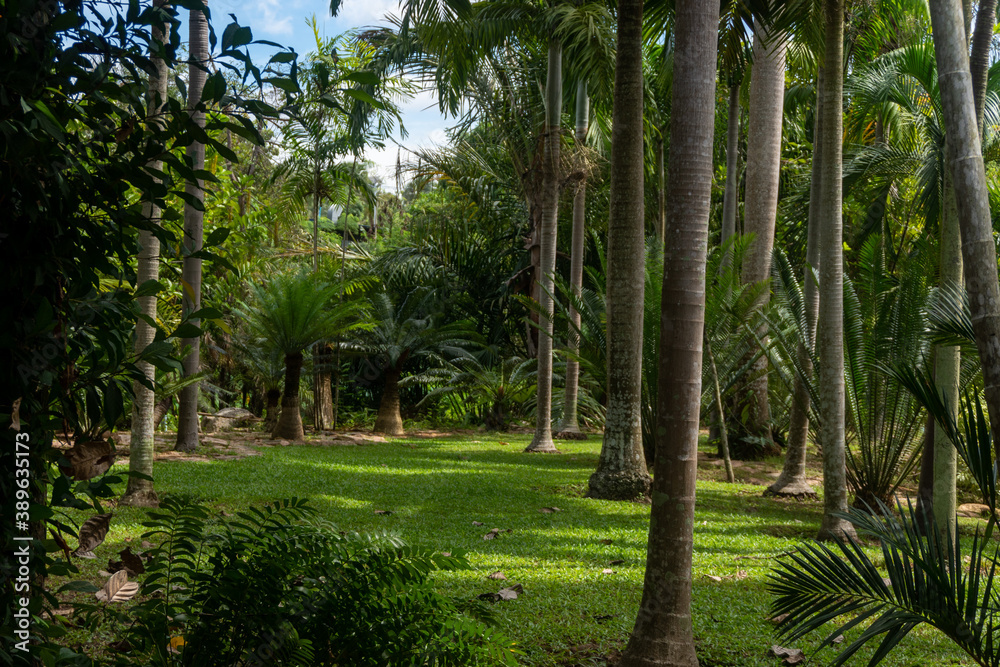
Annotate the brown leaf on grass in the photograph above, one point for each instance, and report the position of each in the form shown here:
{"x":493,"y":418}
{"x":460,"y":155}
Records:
{"x":121,"y":646}
{"x":607,"y":570}
{"x":131,"y":561}
{"x":616,"y":562}
{"x":509,"y":593}
{"x":477,"y":523}
{"x":792,"y":656}
{"x":839,"y":639}
{"x":494,"y":533}
{"x":118,"y":588}
{"x":779,"y":619}
{"x":549,"y":510}
{"x":606,"y":541}
{"x":92,"y":534}
{"x":713,"y":577}
{"x":600,"y":618}
{"x":146,"y":544}
{"x":498,"y":575}
{"x":89,"y":459}
{"x":383,"y":512}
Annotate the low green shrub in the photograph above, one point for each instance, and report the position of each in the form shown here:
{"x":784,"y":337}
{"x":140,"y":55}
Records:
{"x":278,"y":586}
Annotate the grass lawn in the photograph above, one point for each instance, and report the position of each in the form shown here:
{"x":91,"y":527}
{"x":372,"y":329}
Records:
{"x":581,"y":567}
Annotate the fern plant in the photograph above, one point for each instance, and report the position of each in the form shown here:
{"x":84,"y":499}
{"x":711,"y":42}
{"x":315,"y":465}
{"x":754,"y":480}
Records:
{"x":278,"y":586}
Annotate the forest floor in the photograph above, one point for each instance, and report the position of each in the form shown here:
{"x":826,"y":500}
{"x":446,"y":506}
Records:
{"x":580,"y":561}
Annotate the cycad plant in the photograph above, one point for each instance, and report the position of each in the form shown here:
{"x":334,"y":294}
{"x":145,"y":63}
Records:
{"x":401,"y":332}
{"x":884,"y":324}
{"x":289,"y":314}
{"x":927,"y":576}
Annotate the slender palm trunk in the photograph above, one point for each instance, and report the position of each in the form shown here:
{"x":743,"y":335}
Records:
{"x":720,"y":414}
{"x":621,"y":470}
{"x":767,"y":89}
{"x":388,"y":420}
{"x":661,"y":189}
{"x":335,"y":408}
{"x":979,"y":59}
{"x":289,"y":426}
{"x":730,"y":202}
{"x":322,"y":387}
{"x":965,"y":162}
{"x":830,"y":323}
{"x":570,"y":427}
{"x":542,"y":442}
{"x":792,"y":480}
{"x":187,"y":421}
{"x":663,"y":633}
{"x":139,"y":492}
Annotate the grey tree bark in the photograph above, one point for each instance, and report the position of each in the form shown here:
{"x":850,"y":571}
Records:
{"x":388,"y":420}
{"x":663,"y":632}
{"x":542,"y":442}
{"x":621,"y":470}
{"x":965,"y":162}
{"x":570,"y":427}
{"x":187,"y":420}
{"x":979,"y":59}
{"x":792,"y":480}
{"x":730,"y":201}
{"x":140,"y":492}
{"x":760,"y":201}
{"x":830,"y":323}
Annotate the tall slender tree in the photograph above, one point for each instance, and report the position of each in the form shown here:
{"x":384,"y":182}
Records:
{"x":830,"y":322}
{"x":542,"y":442}
{"x":767,"y":91}
{"x":570,"y":426}
{"x":792,"y":480}
{"x":187,"y":421}
{"x":140,"y":491}
{"x":663,"y":633}
{"x":621,"y":470}
{"x":965,"y":162}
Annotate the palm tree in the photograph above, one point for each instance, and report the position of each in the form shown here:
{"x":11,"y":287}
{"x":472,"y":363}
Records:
{"x":830,"y":323}
{"x":139,"y":491}
{"x":965,"y":162}
{"x":763,"y":168}
{"x":621,"y":470}
{"x":401,"y":333}
{"x":187,"y":420}
{"x":289,"y":314}
{"x":663,"y":632}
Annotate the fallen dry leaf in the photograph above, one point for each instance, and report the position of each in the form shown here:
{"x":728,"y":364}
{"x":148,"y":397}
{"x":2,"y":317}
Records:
{"x":384,"y":512}
{"x":89,"y":459}
{"x":713,"y":577}
{"x":61,"y":543}
{"x":607,"y":570}
{"x":131,"y":561}
{"x":606,"y":541}
{"x":498,"y":575}
{"x":509,"y":593}
{"x":477,"y":523}
{"x":792,"y":656}
{"x":549,"y":510}
{"x":92,"y":534}
{"x":780,"y":618}
{"x":616,"y":562}
{"x":118,"y":588}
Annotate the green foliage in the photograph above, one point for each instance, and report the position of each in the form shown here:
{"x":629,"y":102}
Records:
{"x":278,"y":586}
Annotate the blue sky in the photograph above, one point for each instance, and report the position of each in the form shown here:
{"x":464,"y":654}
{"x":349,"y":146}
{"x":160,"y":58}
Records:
{"x":286,"y":22}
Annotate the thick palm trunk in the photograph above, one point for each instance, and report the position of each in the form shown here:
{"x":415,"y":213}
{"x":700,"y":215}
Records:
{"x":621,"y":470}
{"x":767,"y":91}
{"x":388,"y":420}
{"x":139,"y":492}
{"x":542,"y":442}
{"x":322,"y":386}
{"x":792,"y":480}
{"x":830,"y":324}
{"x":965,"y":162}
{"x":272,"y":409}
{"x":187,"y":421}
{"x":663,"y":632}
{"x":730,"y":201}
{"x":570,"y":427}
{"x":289,"y":426}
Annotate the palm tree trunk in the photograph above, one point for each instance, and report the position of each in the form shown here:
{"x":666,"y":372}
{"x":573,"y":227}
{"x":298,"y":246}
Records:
{"x":289,"y":426}
{"x":792,"y":480}
{"x":621,"y":470}
{"x":661,"y":189}
{"x":965,"y":162}
{"x":767,"y":91}
{"x":570,"y":427}
{"x":187,"y":421}
{"x":542,"y":442}
{"x":730,"y":202}
{"x":388,"y":420}
{"x":830,"y":323}
{"x":720,"y":415}
{"x":139,"y":492}
{"x":322,"y":387}
{"x":271,"y":410}
{"x":979,"y":60}
{"x":663,"y":633}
